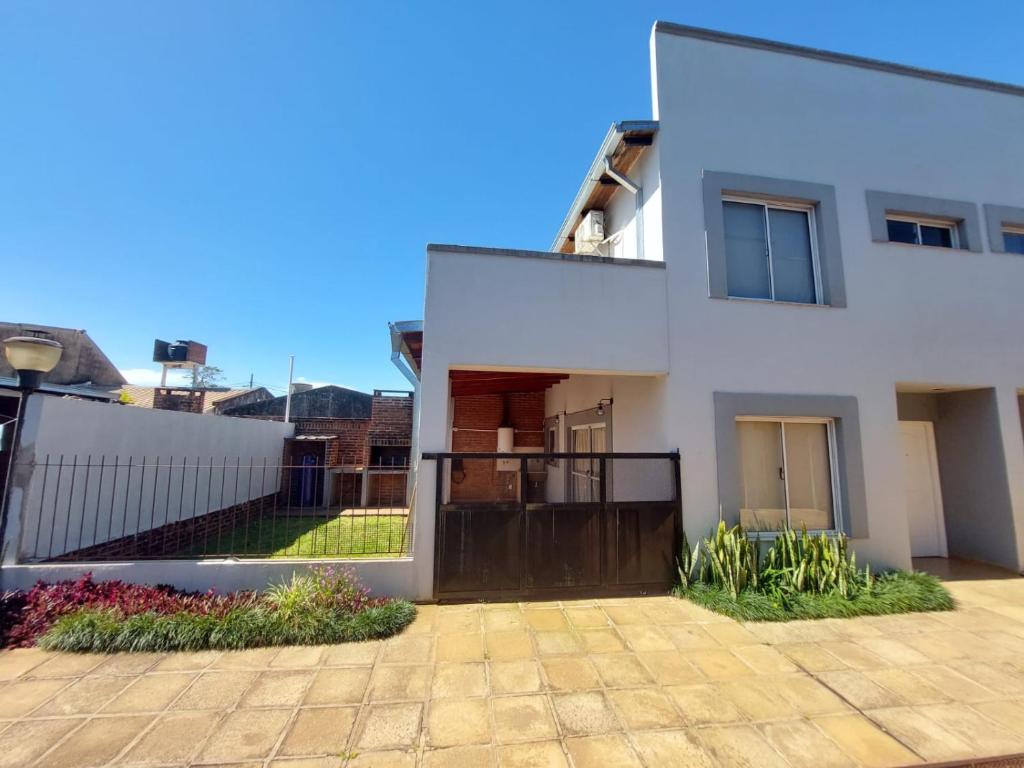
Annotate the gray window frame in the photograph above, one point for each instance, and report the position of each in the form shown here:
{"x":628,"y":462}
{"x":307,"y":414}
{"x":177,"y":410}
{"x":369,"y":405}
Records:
{"x":841,"y":409}
{"x":963,"y":215}
{"x":997,"y":217}
{"x":820,"y":197}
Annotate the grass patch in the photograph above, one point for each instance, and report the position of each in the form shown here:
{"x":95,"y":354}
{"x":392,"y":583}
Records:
{"x":893,"y":592}
{"x":354,"y":536}
{"x":106,"y":631}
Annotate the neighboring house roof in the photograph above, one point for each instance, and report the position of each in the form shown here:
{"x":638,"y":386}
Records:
{"x":213,"y":399}
{"x":328,"y":402}
{"x":81,"y":363}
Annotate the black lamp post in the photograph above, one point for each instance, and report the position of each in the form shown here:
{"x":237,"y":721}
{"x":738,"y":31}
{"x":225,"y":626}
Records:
{"x":31,"y":357}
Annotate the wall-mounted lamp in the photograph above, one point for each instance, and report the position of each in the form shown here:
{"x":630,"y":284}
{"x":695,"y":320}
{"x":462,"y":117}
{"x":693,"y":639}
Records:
{"x":601,"y":404}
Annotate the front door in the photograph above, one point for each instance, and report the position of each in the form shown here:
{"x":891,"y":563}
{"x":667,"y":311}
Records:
{"x":922,"y":490}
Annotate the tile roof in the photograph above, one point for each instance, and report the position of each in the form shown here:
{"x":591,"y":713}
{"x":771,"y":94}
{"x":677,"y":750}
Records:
{"x":142,"y":397}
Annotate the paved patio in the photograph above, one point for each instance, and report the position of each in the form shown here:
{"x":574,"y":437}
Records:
{"x":626,"y":682}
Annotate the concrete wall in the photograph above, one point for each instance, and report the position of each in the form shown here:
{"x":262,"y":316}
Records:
{"x":914,"y":314}
{"x":223,"y":459}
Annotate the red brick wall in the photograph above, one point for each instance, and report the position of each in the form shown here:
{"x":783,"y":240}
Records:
{"x":350,"y":447}
{"x":391,"y":420}
{"x":480,"y":480}
{"x":167,"y":399}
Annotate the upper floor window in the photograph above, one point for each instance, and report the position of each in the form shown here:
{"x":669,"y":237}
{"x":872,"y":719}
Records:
{"x":1013,"y":239}
{"x":770,"y":251}
{"x":920,"y":231}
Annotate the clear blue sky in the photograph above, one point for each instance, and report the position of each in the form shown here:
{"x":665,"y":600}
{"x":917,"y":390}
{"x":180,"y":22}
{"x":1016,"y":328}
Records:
{"x":263,"y":177}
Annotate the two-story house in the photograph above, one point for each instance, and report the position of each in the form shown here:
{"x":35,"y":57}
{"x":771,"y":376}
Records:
{"x":804,"y":275}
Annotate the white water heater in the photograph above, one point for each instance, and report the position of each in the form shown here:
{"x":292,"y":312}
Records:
{"x":506,"y":439}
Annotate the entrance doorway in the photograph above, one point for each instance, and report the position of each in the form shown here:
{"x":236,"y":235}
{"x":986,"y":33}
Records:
{"x":922,"y":490}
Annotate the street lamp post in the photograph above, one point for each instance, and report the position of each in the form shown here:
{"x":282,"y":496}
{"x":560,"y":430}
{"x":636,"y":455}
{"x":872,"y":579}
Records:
{"x":31,"y":357}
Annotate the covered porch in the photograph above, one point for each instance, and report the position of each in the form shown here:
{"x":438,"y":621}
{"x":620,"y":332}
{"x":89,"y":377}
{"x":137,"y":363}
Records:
{"x":553,"y":483}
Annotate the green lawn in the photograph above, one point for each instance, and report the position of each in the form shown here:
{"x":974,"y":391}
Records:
{"x":348,"y":536}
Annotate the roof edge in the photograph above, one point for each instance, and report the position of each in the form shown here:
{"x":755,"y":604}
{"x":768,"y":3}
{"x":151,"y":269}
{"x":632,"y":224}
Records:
{"x":584,"y":258}
{"x":879,"y":65}
{"x":608,"y":146}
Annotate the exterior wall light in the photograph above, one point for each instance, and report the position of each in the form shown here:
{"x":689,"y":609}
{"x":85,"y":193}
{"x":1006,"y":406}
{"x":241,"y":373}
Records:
{"x":32,"y":357}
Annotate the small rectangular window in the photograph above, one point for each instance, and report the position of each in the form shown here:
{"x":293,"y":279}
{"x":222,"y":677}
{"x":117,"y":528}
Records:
{"x":1013,"y":239}
{"x":787,"y":473}
{"x":938,"y":234}
{"x":770,"y":251}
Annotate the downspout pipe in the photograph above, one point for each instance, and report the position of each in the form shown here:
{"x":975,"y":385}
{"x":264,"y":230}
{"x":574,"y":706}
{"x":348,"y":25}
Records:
{"x":638,"y":193}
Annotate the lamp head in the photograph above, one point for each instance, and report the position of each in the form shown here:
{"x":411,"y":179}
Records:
{"x":32,"y":357}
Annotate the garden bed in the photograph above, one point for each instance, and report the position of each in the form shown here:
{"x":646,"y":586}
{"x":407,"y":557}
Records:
{"x":320,"y":607}
{"x":799,"y":577}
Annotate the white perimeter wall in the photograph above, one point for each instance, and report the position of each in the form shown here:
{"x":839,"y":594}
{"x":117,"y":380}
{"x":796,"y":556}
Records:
{"x":914,"y":314}
{"x":82,"y":431}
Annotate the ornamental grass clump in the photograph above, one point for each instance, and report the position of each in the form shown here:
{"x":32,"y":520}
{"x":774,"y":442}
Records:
{"x":800,"y":576}
{"x":325,"y":605}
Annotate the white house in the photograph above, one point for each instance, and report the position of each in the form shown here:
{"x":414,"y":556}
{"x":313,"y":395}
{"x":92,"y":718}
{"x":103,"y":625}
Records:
{"x":808,"y":284}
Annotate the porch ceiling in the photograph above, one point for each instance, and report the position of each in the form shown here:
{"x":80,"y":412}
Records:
{"x":497,"y":382}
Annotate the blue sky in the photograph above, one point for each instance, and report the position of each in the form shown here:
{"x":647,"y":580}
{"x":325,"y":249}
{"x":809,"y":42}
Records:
{"x":263,"y":177}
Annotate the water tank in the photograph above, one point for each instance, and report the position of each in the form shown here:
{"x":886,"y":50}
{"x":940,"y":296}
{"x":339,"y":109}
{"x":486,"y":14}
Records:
{"x":506,"y":439}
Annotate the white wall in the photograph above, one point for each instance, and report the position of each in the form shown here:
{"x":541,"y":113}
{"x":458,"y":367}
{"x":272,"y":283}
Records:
{"x":620,"y":213}
{"x":914,"y":314}
{"x":635,"y":428}
{"x":76,"y":433}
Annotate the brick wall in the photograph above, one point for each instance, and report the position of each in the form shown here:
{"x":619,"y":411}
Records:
{"x":188,"y":400}
{"x":193,"y":536}
{"x":391,"y":420}
{"x":476,"y":419}
{"x":351,"y":446}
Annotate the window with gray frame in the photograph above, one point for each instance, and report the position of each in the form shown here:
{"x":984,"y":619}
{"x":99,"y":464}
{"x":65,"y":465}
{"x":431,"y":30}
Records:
{"x":790,"y":459}
{"x":1005,"y":226}
{"x":926,"y":221}
{"x":772,"y":239}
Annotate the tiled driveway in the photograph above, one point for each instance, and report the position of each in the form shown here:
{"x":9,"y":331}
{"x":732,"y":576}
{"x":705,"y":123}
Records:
{"x":640,"y":681}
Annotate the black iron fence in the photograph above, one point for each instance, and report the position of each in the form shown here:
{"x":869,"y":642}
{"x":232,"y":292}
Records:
{"x":521,"y":524}
{"x":128,"y":508}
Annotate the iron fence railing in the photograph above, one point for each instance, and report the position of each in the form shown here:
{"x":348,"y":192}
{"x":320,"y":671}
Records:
{"x":89,"y":508}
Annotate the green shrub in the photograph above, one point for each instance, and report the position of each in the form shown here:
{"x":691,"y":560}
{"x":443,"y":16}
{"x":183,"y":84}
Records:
{"x":325,"y":606}
{"x":800,"y":577}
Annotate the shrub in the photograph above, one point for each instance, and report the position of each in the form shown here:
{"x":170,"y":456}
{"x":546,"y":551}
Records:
{"x":800,"y":576}
{"x":326,"y":605}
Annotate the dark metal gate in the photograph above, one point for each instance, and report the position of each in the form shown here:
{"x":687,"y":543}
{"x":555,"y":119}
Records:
{"x":541,"y":540}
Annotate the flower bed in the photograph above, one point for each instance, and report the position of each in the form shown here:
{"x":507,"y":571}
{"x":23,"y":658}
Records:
{"x":800,"y":577}
{"x":326,"y":605}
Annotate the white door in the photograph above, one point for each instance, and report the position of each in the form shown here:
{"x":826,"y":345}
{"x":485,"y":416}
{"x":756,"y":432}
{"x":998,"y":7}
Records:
{"x":922,"y":490}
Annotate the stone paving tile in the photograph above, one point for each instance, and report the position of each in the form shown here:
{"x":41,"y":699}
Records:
{"x":703,"y":704}
{"x":805,"y":746}
{"x":129,"y":663}
{"x":740,"y":746}
{"x":514,"y":677}
{"x":300,"y":656}
{"x":22,"y":696}
{"x":150,"y":693}
{"x":459,"y":757}
{"x":390,"y":726}
{"x":669,"y":749}
{"x":522,"y":718}
{"x":84,"y":697}
{"x":277,"y":689}
{"x":399,"y":683}
{"x":215,"y":690}
{"x":460,"y":647}
{"x":20,"y":662}
{"x":584,"y":714}
{"x":645,"y":708}
{"x":457,"y":681}
{"x":670,"y":667}
{"x":570,"y":674}
{"x":619,"y":670}
{"x":174,"y":738}
{"x":246,"y":734}
{"x":319,"y":731}
{"x":922,"y":734}
{"x":66,"y":665}
{"x":865,"y":742}
{"x":458,"y":722}
{"x":25,"y":741}
{"x":611,"y":751}
{"x":543,"y":754}
{"x":506,"y":644}
{"x":96,"y":743}
{"x":338,"y":685}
